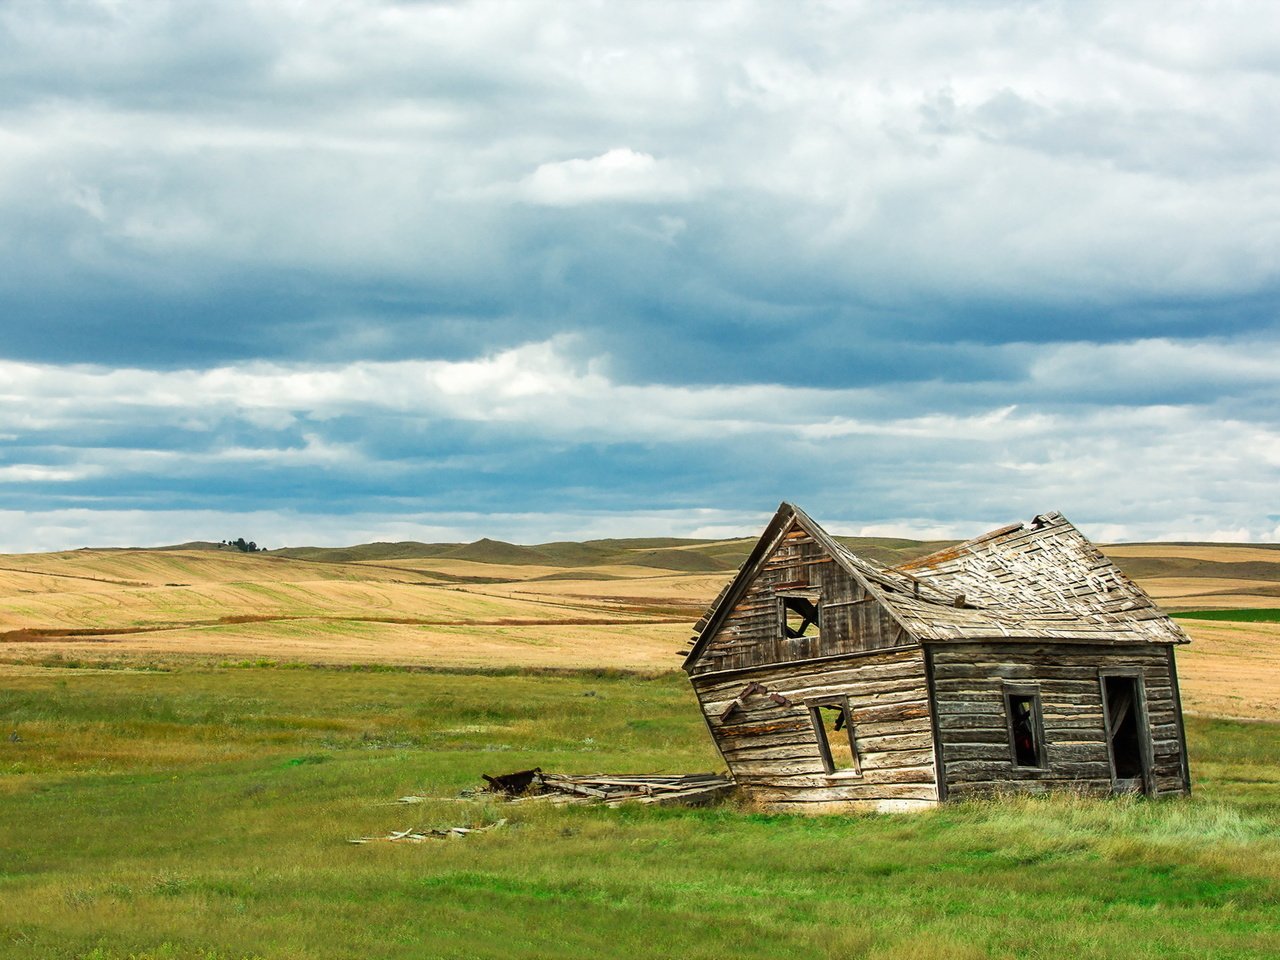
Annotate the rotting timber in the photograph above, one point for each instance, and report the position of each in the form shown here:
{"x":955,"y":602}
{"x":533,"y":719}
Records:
{"x":610,"y":789}
{"x":1022,"y":660}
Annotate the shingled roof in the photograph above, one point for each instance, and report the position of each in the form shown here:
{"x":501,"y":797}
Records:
{"x":1038,"y":581}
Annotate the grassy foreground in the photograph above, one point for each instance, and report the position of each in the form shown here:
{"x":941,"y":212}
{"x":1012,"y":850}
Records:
{"x":204,"y":812}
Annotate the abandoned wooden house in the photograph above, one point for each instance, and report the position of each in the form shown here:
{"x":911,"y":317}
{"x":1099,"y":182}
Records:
{"x":1022,"y":660}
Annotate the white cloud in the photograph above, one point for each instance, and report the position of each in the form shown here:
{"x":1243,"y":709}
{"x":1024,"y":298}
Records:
{"x":546,"y":387}
{"x":911,"y":529}
{"x":948,"y":458}
{"x":540,"y":387}
{"x":1058,"y":151}
{"x":620,"y":174}
{"x":1100,"y":369}
{"x":39,"y":473}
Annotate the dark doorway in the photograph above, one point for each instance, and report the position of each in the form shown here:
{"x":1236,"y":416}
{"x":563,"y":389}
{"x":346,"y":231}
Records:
{"x":1126,"y":733}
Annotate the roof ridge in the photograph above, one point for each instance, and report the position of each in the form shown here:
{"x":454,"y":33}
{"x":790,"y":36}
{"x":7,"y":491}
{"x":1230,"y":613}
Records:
{"x":917,"y":587}
{"x":955,"y":550}
{"x":1039,"y":580}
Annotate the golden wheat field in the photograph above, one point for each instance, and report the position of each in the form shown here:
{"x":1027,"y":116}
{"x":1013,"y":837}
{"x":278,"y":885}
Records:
{"x":1206,"y":552}
{"x":627,"y":612}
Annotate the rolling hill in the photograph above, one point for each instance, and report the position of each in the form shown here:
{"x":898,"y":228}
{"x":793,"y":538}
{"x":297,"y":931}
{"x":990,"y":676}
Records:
{"x":624,"y":604}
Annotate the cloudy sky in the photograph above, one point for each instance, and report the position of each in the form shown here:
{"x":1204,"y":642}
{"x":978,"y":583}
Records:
{"x":330,"y":272}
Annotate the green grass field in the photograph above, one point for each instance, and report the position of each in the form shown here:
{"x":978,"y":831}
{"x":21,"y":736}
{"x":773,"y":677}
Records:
{"x":204,"y":812}
{"x":1265,"y":615}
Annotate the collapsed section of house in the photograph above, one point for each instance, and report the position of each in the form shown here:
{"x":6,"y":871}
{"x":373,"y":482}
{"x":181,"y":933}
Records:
{"x":1020,"y":660}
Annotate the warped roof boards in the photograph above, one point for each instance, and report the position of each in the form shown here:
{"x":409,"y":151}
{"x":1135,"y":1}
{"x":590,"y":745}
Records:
{"x":1021,"y":660}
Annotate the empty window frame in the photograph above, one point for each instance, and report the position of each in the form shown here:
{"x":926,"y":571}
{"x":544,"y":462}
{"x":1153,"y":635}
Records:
{"x":837,"y":744}
{"x":1025,"y":722}
{"x":800,"y":615}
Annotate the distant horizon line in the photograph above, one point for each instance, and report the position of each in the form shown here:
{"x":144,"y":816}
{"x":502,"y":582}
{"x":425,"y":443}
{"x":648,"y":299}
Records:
{"x":194,"y":544}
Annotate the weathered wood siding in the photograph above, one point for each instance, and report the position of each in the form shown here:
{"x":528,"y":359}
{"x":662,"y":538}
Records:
{"x":974,"y":739}
{"x":772,"y":750}
{"x":852,"y":621}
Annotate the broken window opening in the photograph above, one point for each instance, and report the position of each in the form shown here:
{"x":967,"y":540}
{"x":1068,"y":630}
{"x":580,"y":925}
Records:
{"x":837,"y":743}
{"x":800,"y":617}
{"x":1026,"y":728}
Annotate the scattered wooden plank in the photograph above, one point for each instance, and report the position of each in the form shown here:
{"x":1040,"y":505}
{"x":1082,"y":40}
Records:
{"x":613,"y":789}
{"x":424,"y":836}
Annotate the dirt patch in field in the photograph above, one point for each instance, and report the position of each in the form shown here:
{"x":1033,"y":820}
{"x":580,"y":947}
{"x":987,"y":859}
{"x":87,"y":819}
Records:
{"x":624,"y":646}
{"x":1204,"y":593}
{"x":1210,"y":553}
{"x":54,"y":635}
{"x":695,"y":590}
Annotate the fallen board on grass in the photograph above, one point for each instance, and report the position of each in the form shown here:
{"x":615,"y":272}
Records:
{"x":415,"y":836}
{"x":612,"y":789}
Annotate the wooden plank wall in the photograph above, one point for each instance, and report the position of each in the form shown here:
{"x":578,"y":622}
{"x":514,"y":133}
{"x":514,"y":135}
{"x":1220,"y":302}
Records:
{"x":852,"y":621}
{"x":971,"y":715}
{"x":772,"y":750}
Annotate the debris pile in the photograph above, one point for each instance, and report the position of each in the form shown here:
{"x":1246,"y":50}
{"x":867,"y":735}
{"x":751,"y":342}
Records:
{"x":610,"y":789}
